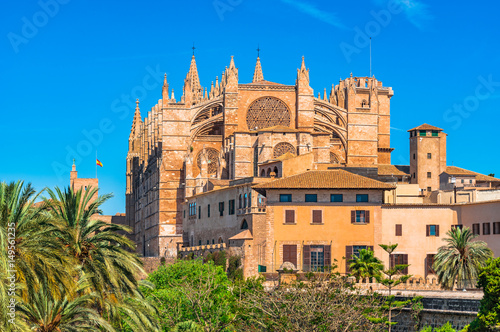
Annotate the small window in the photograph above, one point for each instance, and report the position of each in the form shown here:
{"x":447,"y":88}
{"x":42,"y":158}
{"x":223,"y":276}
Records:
{"x":475,"y":229}
{"x":311,"y":197}
{"x":213,"y":241}
{"x":199,"y":242}
{"x":462,"y":181}
{"x":414,"y":175}
{"x":399,"y":230}
{"x":414,"y":156}
{"x":336,"y":198}
{"x":457,"y":226}
{"x":244,"y":224}
{"x":429,"y":189}
{"x":199,"y":212}
{"x":423,"y":133}
{"x":285,"y":197}
{"x":221,"y":209}
{"x":231,"y":206}
{"x":470,"y":181}
{"x":290,"y":216}
{"x":429,"y":175}
{"x":361,"y":197}
{"x":208,"y":241}
{"x":432,"y":230}
{"x":360,"y":216}
{"x":184,"y":213}
{"x":486,"y":228}
{"x":208,"y":210}
{"x":496,"y":227}
{"x":429,"y":156}
{"x":435,"y":133}
{"x":317,"y":217}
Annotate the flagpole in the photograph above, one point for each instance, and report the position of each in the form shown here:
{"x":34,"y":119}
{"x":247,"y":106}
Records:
{"x":96,"y":164}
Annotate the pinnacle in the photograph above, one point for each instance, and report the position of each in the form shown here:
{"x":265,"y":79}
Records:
{"x":258,"y":75}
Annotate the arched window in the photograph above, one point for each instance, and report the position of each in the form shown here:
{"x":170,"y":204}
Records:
{"x":282,"y":148}
{"x":220,"y":240}
{"x":249,"y":199}
{"x":244,"y":224}
{"x":276,"y":171}
{"x":267,"y":112}
{"x":239,"y":202}
{"x":268,"y":172}
{"x":263,"y":173}
{"x":212,"y":156}
{"x":245,"y":201}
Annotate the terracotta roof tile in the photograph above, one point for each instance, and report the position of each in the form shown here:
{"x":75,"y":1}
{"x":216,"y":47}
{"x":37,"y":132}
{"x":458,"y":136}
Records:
{"x":325,"y":180}
{"x":392,"y":170}
{"x":454,"y":170}
{"x":426,"y":126}
{"x":245,"y":235}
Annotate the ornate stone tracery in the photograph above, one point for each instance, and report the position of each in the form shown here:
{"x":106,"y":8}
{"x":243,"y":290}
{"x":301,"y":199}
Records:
{"x":212,"y":156}
{"x":267,"y":112}
{"x":282,"y":148}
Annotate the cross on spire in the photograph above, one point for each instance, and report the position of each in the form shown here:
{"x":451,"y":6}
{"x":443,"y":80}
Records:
{"x":193,"y":48}
{"x":258,"y":50}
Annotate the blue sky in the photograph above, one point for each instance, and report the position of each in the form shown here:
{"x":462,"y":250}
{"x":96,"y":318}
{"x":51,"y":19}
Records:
{"x":71,"y":69}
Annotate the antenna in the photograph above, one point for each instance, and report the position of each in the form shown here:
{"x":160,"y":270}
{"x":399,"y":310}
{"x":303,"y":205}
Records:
{"x":370,"y":56}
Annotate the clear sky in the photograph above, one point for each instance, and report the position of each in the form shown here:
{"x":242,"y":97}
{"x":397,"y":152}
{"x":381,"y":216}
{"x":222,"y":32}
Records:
{"x":71,"y":71}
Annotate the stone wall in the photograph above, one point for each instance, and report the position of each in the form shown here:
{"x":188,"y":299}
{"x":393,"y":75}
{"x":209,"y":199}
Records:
{"x":438,"y":311}
{"x":152,"y":263}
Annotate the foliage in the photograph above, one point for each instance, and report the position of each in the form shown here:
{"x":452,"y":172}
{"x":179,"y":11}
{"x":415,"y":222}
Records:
{"x":188,"y":326}
{"x":445,"y":328}
{"x":365,"y":265}
{"x":189,"y":290}
{"x":390,"y":282}
{"x":489,"y":309}
{"x":416,"y":307}
{"x":218,"y":257}
{"x":73,"y":272}
{"x":326,"y":302}
{"x":234,"y":271}
{"x":460,"y":260}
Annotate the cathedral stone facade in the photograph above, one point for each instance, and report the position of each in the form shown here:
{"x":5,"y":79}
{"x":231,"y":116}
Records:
{"x":231,"y":130}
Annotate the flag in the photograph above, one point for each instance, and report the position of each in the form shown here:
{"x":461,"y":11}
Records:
{"x":98,"y":163}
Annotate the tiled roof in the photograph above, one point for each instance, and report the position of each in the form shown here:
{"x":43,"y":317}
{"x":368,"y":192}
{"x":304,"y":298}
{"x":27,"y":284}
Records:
{"x":398,"y":170}
{"x":264,"y":82}
{"x":218,"y":182}
{"x":426,"y":126}
{"x":330,"y":179}
{"x":245,"y":235}
{"x":454,"y":170}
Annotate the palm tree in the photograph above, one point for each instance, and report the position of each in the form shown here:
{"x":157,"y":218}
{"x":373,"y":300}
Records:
{"x":70,"y":313}
{"x":460,"y":259}
{"x":27,"y":242}
{"x":365,"y":265}
{"x":106,"y":258}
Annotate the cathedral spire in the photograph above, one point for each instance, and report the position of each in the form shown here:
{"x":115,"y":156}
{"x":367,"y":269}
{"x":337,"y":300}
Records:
{"x":257,"y":74}
{"x":165,"y":89}
{"x":303,"y":74}
{"x":193,"y":74}
{"x":137,"y":114}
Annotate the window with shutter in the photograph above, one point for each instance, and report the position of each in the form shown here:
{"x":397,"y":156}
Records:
{"x":496,"y":227}
{"x":328,"y":257}
{"x":317,"y":217}
{"x":353,"y":217}
{"x":306,"y":254}
{"x":429,"y":262}
{"x":348,"y":257}
{"x":432,"y":230}
{"x":399,"y":230}
{"x":290,"y":253}
{"x":475,"y":229}
{"x":399,"y":259}
{"x":367,"y":216}
{"x":486,"y":228}
{"x":290,"y":216}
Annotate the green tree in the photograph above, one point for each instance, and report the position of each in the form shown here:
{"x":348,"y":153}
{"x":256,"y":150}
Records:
{"x":190,"y":290}
{"x":390,"y":282}
{"x":365,"y":265}
{"x":459,"y":261}
{"x":103,"y":256}
{"x":27,"y":240}
{"x":489,"y":309}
